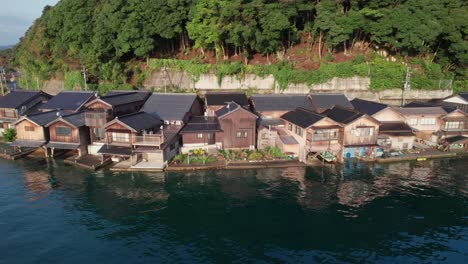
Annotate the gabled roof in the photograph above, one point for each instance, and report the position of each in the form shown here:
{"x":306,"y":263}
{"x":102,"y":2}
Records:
{"x":169,"y":106}
{"x":76,"y":119}
{"x":222,"y":98}
{"x":117,"y":98}
{"x":343,"y":115}
{"x":138,"y":121}
{"x":302,"y":117}
{"x":280,"y":102}
{"x":447,"y":108}
{"x":69,"y":101}
{"x":367,"y":107}
{"x":17,"y":98}
{"x":395,"y":127}
{"x":463,"y":95}
{"x":199,"y":124}
{"x":231,"y":107}
{"x":329,"y":100}
{"x":43,"y":118}
{"x":431,"y":110}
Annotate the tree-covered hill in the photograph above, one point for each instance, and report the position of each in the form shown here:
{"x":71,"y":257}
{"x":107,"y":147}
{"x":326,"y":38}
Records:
{"x":112,"y":38}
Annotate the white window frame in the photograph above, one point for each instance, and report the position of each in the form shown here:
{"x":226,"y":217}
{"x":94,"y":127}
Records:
{"x":428,"y":121}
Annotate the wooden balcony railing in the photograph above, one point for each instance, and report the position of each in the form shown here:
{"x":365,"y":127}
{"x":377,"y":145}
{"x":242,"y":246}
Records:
{"x":149,"y":140}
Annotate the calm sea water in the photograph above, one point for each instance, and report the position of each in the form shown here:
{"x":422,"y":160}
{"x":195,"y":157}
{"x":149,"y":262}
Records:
{"x":355,"y":213}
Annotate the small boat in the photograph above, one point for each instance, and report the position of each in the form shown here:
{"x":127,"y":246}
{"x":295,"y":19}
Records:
{"x":327,"y":156}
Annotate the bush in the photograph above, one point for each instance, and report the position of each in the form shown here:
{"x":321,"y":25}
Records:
{"x":255,"y":155}
{"x":274,"y":152}
{"x":9,"y":135}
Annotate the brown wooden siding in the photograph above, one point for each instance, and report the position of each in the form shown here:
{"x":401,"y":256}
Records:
{"x":72,"y":138}
{"x":119,"y":129}
{"x":193,"y":138}
{"x":238,"y":121}
{"x":23,"y":134}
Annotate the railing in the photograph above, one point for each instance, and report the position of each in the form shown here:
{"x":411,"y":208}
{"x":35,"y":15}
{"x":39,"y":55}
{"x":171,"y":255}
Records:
{"x":148,"y":140}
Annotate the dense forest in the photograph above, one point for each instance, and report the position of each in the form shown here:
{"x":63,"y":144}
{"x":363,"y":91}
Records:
{"x":113,"y":38}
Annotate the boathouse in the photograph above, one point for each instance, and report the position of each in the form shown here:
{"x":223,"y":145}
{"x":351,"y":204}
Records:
{"x":202,"y":132}
{"x":310,"y":134}
{"x":68,"y":101}
{"x":360,"y":132}
{"x":323,"y":101}
{"x":18,"y":103}
{"x":102,"y":110}
{"x":68,"y":133}
{"x":239,"y":126}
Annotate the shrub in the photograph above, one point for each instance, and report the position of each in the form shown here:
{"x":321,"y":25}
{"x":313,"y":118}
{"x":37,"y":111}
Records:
{"x":274,"y":152}
{"x":255,"y":155}
{"x":329,"y":57}
{"x":9,"y":135}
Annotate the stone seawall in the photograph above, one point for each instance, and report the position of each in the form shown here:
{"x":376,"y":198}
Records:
{"x":351,"y":87}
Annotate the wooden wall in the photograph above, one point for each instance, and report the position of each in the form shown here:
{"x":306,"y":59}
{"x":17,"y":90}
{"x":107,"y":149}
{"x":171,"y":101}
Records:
{"x":72,"y":138}
{"x":238,"y":120}
{"x":193,"y":139}
{"x":37,"y":134}
{"x":388,"y":115}
{"x":116,"y":127}
{"x":351,"y":139}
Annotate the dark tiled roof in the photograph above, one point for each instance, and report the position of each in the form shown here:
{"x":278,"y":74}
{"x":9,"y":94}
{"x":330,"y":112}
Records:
{"x":77,"y":119}
{"x":367,"y":107}
{"x":230,"y":107}
{"x":141,"y":121}
{"x":71,"y":101}
{"x":114,"y":150}
{"x":343,"y":115}
{"x":430,"y":110}
{"x":271,"y":122}
{"x":45,"y":117}
{"x":394,"y":126}
{"x":463,"y":95}
{"x":280,"y":102}
{"x":60,"y":145}
{"x":222,"y":98}
{"x":202,"y":124}
{"x":447,"y":108}
{"x":328,"y":101}
{"x":28,"y":143}
{"x":302,"y":117}
{"x":457,"y":140}
{"x":16,"y":99}
{"x":288,"y":140}
{"x":169,"y":107}
{"x":122,"y":98}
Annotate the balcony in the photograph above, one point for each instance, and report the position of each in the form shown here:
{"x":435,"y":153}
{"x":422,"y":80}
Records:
{"x":148,"y":140}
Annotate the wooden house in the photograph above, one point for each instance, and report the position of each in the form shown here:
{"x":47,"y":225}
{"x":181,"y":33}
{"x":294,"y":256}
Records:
{"x":124,"y":134}
{"x":68,"y":133}
{"x":31,"y":130}
{"x":425,"y":121}
{"x":394,"y":133}
{"x":396,"y":136}
{"x":173,"y":108}
{"x":69,"y":101}
{"x":360,"y":132}
{"x":454,"y":124}
{"x":18,"y":103}
{"x":102,"y":110}
{"x":324,"y":101}
{"x":270,"y":107}
{"x":202,"y":132}
{"x":314,"y":134}
{"x":239,"y":126}
{"x":217,"y":100}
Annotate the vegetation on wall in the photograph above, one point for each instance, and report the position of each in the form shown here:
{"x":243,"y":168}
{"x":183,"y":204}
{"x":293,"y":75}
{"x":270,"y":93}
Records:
{"x":109,"y":36}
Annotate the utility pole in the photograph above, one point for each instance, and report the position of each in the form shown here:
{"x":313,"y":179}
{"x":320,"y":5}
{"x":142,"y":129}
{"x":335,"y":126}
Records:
{"x":85,"y":78}
{"x":1,"y":80}
{"x":406,"y":85}
{"x":37,"y":83}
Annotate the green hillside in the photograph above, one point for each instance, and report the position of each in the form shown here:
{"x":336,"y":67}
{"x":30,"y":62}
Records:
{"x":304,"y":40}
